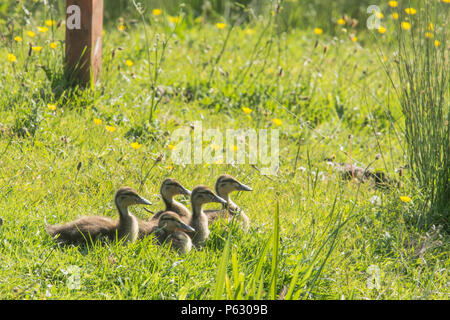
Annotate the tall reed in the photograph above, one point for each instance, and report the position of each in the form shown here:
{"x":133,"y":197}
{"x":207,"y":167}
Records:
{"x":423,"y":69}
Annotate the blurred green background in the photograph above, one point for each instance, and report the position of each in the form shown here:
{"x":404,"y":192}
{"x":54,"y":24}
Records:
{"x":294,"y":13}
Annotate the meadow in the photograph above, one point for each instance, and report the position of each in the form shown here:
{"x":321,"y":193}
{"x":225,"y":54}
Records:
{"x":329,"y":87}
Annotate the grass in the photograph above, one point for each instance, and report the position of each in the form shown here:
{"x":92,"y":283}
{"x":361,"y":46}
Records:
{"x":312,"y":235}
{"x":424,"y":85}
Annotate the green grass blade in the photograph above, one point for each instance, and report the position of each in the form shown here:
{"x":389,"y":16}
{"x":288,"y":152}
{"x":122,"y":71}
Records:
{"x":260,"y":291}
{"x":222,"y":271}
{"x":275,"y":249}
{"x":259,"y":265}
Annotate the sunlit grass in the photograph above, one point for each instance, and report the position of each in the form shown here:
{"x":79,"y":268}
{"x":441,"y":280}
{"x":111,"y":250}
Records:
{"x":64,"y":153}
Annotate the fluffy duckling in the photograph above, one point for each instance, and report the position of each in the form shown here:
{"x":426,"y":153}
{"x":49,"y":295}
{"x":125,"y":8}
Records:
{"x":381,"y":180}
{"x":180,"y":241}
{"x":169,"y":189}
{"x":171,"y":229}
{"x":349,"y":171}
{"x":199,"y":196}
{"x":97,"y":227}
{"x":226,"y":184}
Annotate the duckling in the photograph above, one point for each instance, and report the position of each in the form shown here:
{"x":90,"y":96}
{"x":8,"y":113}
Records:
{"x":199,"y":196}
{"x":169,"y":189}
{"x":382,"y":181}
{"x":180,"y":241}
{"x":96,"y":227}
{"x":349,"y":171}
{"x":226,"y":184}
{"x":171,"y":229}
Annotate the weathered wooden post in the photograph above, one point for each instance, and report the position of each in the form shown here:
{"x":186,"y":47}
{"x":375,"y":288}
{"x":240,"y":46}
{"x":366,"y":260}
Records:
{"x":84,"y":26}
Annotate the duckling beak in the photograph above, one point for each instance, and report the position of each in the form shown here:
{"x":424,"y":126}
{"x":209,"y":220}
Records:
{"x":143,"y":201}
{"x":186,"y":227}
{"x":185,"y":191}
{"x":219,"y":199}
{"x":243,"y":187}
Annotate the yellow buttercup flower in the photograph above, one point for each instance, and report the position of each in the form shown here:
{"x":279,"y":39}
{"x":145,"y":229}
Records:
{"x":53,"y":45}
{"x":174,"y":19}
{"x":406,"y":25}
{"x":446,"y":1}
{"x":246,"y":110}
{"x":429,"y":35}
{"x":382,"y":29}
{"x":277,"y":121}
{"x":220,"y":25}
{"x":395,"y":15}
{"x":410,"y":11}
{"x":12,"y":57}
{"x":379,"y":15}
{"x":341,"y":22}
{"x":431,"y":26}
{"x":393,"y":4}
{"x":110,"y":128}
{"x":18,"y":39}
{"x":51,"y":107}
{"x":405,"y":199}
{"x":157,"y":12}
{"x":136,"y":145}
{"x":318,"y":31}
{"x":169,"y":167}
{"x":354,"y":39}
{"x":233,"y":148}
{"x":50,"y":22}
{"x":437,"y":43}
{"x":171,"y":146}
{"x":129,"y":63}
{"x":122,"y":27}
{"x":97,"y":121}
{"x":36,"y":49}
{"x":42,"y":29}
{"x":31,"y":34}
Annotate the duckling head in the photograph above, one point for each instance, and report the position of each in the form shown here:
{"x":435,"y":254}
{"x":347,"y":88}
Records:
{"x":171,"y":222}
{"x":127,"y":196}
{"x":171,"y":187}
{"x":226,"y":184}
{"x":202,"y":194}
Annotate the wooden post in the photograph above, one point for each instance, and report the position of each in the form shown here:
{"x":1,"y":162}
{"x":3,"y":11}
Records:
{"x":84,"y":26}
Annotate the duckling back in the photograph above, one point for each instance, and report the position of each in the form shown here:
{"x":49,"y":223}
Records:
{"x":84,"y":230}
